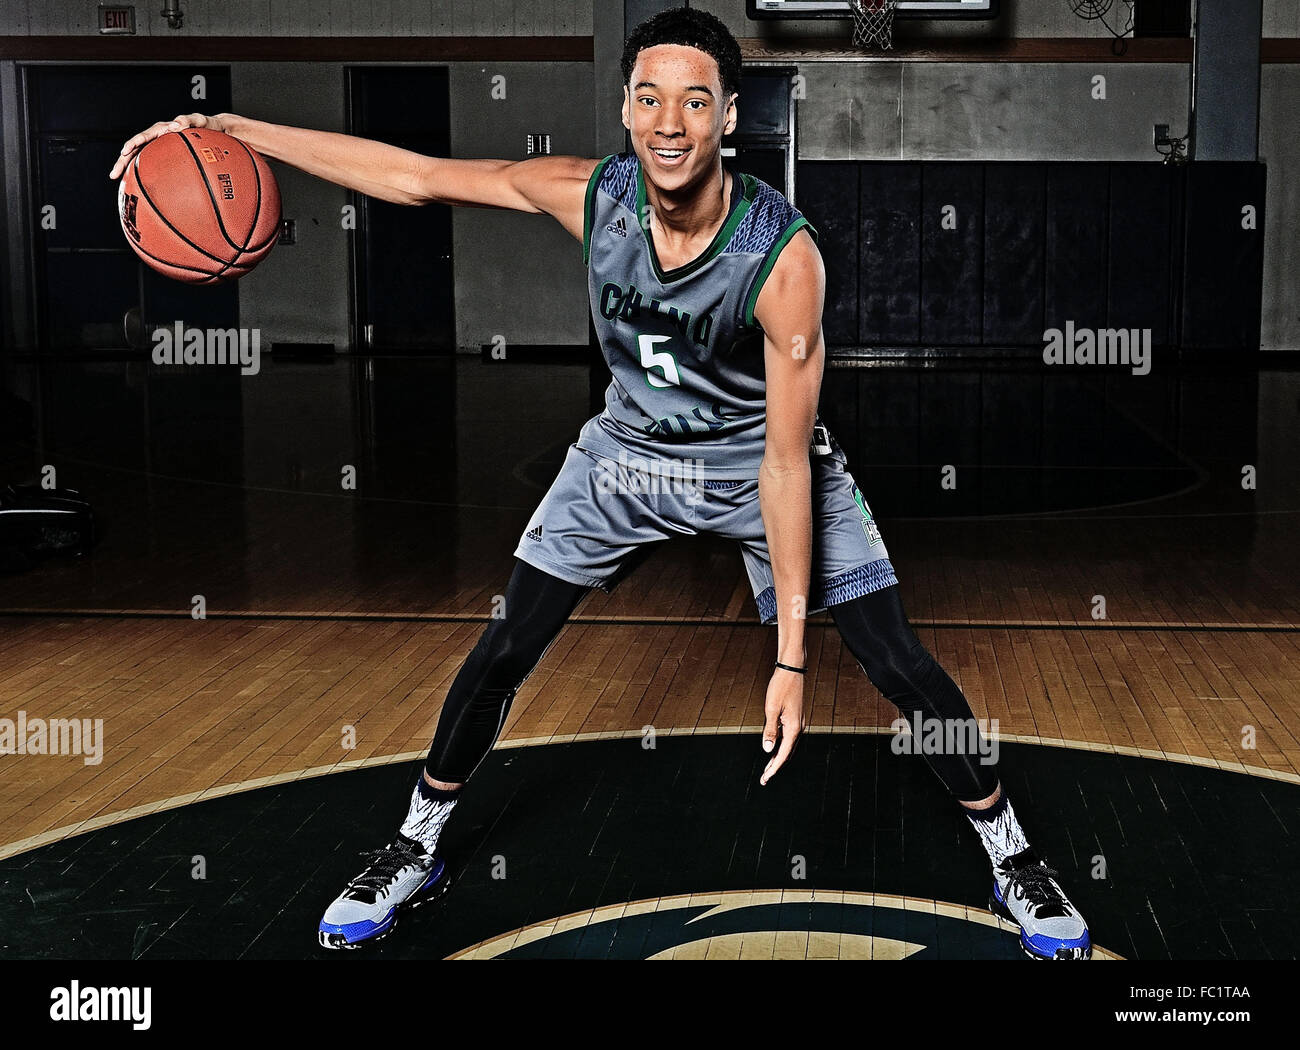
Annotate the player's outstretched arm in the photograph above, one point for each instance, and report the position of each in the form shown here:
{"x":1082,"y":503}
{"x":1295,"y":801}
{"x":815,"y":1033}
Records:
{"x":789,"y":309}
{"x":550,"y":185}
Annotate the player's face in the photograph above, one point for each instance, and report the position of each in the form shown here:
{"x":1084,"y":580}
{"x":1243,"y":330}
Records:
{"x":676,"y":112}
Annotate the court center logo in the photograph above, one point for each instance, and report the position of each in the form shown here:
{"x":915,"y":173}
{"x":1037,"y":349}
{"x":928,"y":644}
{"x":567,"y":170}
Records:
{"x":766,"y":924}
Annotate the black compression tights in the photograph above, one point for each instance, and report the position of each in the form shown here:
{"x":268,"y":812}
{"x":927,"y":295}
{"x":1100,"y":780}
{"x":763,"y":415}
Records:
{"x":876,"y":631}
{"x":536,"y":606}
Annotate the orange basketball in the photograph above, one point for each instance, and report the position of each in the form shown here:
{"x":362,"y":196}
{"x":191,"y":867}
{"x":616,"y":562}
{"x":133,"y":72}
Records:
{"x":199,"y":206}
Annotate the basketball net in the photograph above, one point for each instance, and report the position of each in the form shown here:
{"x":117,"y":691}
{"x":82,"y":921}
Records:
{"x":873,"y":23}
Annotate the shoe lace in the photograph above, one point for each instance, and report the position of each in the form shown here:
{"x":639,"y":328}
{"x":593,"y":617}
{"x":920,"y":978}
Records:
{"x":382,"y":868}
{"x":1033,"y":882}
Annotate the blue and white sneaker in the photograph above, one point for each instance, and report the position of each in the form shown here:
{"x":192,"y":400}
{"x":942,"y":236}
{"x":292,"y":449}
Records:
{"x":1025,"y":892}
{"x":401,"y":875}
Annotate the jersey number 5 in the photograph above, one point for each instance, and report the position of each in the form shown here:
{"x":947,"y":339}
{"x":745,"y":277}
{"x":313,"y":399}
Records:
{"x":662,"y":360}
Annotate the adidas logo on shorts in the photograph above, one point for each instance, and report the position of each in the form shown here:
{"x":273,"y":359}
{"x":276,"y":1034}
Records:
{"x":619,"y":227}
{"x":534,"y":534}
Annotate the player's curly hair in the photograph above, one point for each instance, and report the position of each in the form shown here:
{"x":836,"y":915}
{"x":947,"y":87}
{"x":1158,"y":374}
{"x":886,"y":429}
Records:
{"x":692,"y":28}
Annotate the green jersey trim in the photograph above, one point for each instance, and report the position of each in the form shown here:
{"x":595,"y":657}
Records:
{"x":751,"y":300}
{"x":589,"y":208}
{"x":720,"y":239}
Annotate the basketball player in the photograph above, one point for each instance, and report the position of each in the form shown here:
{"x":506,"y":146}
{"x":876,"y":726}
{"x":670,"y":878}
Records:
{"x":706,"y":290}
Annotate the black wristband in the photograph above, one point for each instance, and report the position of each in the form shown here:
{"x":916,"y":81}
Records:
{"x":787,"y":667}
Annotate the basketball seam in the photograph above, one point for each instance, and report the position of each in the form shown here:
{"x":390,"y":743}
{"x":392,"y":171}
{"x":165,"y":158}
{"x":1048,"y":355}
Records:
{"x":144,"y":192}
{"x":216,"y":211}
{"x":181,"y":266}
{"x":212,"y":198}
{"x":257,"y":174}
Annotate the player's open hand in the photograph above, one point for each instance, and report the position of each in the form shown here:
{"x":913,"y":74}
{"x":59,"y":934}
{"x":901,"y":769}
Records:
{"x":163,"y":127}
{"x":784,"y":712}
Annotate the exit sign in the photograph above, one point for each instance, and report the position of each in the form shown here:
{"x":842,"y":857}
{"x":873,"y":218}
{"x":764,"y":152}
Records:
{"x":116,"y":18}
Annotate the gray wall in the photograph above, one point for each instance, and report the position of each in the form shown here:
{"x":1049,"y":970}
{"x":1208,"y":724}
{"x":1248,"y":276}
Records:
{"x":1019,"y":18}
{"x":1028,"y":18}
{"x":518,"y":275}
{"x":524,"y":18}
{"x":991,"y":111}
{"x":502,"y":259}
{"x":300,"y":292}
{"x":1281,"y":18}
{"x":314,"y":17}
{"x":1279,"y":148}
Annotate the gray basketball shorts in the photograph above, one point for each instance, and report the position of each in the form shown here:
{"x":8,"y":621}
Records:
{"x":600,"y":515}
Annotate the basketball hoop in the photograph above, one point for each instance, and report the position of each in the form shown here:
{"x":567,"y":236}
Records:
{"x":873,"y":23}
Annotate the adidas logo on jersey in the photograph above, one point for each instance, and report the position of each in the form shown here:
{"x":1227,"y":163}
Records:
{"x":619,"y":227}
{"x":534,"y":534}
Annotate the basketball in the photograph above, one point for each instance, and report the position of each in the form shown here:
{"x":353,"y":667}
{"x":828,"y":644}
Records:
{"x":199,"y":206}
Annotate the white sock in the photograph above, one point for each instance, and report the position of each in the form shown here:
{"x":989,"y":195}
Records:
{"x":999,"y":830}
{"x":429,"y":811}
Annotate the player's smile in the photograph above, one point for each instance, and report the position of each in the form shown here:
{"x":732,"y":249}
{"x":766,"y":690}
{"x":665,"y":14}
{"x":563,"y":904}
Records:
{"x":669,"y":158}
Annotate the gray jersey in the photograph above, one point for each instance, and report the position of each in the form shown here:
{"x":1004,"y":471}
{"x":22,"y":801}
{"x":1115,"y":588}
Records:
{"x":684,"y":348}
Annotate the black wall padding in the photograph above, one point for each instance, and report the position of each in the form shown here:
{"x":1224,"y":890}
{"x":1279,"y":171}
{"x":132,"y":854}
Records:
{"x":1014,"y":235}
{"x":1145,"y":239}
{"x":952,"y":254}
{"x":828,"y":197}
{"x":889,"y":275}
{"x":1106,"y":245}
{"x":1223,"y":274}
{"x":764,"y":104}
{"x":1075,"y":271}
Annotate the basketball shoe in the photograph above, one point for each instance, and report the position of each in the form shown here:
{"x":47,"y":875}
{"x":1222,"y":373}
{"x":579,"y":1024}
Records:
{"x":1025,"y":892}
{"x":401,"y":875}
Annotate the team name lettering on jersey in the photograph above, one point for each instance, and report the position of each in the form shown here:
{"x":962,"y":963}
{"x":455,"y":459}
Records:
{"x":626,"y":304}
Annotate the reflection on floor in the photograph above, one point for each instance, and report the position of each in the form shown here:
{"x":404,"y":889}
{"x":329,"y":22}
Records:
{"x":1064,"y":486}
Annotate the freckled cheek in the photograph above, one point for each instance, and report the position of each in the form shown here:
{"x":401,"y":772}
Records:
{"x":709,"y":127}
{"x":645,"y":120}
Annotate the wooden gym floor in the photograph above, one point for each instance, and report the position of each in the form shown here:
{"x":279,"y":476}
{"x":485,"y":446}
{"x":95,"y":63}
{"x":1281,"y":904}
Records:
{"x":336,"y":620}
